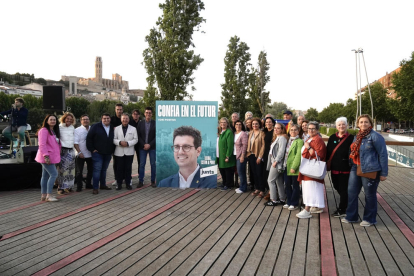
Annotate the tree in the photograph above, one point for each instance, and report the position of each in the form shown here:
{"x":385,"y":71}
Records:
{"x":35,"y":118}
{"x":97,"y":108}
{"x":235,"y":88}
{"x":40,"y":81}
{"x":169,"y":62}
{"x":330,"y":113}
{"x":380,"y":100}
{"x":277,"y":109}
{"x":78,"y":106}
{"x":312,"y":114}
{"x":403,"y":84}
{"x":258,"y":79}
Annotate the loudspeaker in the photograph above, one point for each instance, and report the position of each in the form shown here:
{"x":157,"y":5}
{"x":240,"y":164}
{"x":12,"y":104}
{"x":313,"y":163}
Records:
{"x":26,"y":154}
{"x":54,"y":98}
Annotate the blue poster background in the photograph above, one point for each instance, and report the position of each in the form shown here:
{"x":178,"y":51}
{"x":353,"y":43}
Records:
{"x":190,"y":113}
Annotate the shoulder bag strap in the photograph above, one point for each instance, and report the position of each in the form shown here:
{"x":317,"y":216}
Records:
{"x":333,"y":152}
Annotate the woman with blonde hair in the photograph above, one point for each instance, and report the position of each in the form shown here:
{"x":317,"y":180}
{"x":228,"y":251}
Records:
{"x":66,"y":167}
{"x":275,"y":166}
{"x":226,"y":159}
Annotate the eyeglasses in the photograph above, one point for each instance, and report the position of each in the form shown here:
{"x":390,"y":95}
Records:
{"x":311,"y":128}
{"x":185,"y":148}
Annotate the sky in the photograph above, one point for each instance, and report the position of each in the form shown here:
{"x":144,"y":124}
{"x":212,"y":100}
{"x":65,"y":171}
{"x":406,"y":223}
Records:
{"x":308,"y":43}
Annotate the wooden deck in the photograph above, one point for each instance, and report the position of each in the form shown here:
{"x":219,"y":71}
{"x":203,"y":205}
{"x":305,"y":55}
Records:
{"x":167,"y":231}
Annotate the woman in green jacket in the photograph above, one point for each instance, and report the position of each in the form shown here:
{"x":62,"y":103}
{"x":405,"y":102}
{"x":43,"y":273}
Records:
{"x":292,"y":163}
{"x":226,"y":158}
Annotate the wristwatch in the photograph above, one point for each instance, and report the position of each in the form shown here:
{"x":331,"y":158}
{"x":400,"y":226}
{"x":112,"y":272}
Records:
{"x":309,"y":148}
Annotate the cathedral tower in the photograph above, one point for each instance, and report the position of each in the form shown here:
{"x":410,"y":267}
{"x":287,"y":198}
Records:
{"x":98,"y":70}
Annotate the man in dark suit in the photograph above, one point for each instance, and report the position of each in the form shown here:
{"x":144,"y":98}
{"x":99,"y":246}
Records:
{"x":187,"y":147}
{"x":146,"y":145}
{"x":134,"y":121}
{"x":100,"y":141}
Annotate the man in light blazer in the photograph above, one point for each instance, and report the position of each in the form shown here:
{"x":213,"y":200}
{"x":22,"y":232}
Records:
{"x":125,"y":138}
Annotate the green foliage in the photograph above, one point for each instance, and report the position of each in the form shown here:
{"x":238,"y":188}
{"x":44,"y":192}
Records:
{"x":332,"y":130}
{"x":330,"y":113}
{"x":30,"y":101}
{"x":40,"y":81}
{"x":323,"y":130}
{"x":96,"y":109}
{"x":312,"y":114}
{"x":353,"y":131}
{"x":403,"y":84}
{"x":258,"y":79}
{"x":169,"y":62}
{"x":277,"y":109}
{"x":35,"y":118}
{"x":133,"y":98}
{"x":235,"y":88}
{"x":131,"y":106}
{"x":78,"y":106}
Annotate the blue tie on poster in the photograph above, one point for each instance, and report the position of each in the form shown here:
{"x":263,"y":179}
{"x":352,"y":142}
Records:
{"x":186,"y":137}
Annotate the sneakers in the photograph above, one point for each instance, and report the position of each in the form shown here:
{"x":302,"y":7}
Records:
{"x":316,"y":210}
{"x":225,"y":188}
{"x":365,"y":223}
{"x":270,"y":203}
{"x":114,"y":183}
{"x":344,"y":220}
{"x":292,"y":208}
{"x":338,"y":214}
{"x":286,"y":206}
{"x":51,"y":199}
{"x":304,"y":214}
{"x":238,"y":191}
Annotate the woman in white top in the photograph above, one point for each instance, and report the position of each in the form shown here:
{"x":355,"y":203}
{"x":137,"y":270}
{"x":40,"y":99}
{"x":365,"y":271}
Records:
{"x":66,"y":167}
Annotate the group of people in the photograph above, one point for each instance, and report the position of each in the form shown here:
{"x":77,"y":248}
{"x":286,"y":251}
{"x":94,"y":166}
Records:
{"x":267,"y":155}
{"x":64,"y":150}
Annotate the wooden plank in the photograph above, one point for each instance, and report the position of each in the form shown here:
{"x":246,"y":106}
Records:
{"x":35,"y":261}
{"x":153,"y":227}
{"x":182,"y":262}
{"x":242,"y":243}
{"x":313,"y":262}
{"x":297,"y":266}
{"x":272,"y":251}
{"x":252,"y":263}
{"x":209,"y":238}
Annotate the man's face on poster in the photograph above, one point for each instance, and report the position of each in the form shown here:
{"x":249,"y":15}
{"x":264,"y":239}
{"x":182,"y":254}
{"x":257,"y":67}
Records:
{"x":185,"y":154}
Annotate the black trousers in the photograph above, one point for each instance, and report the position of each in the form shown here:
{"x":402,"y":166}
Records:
{"x":80,"y":163}
{"x":115,"y":166}
{"x":227,"y":174}
{"x":124,"y":169}
{"x":137,"y":152}
{"x":340,"y":183}
{"x":256,"y":173}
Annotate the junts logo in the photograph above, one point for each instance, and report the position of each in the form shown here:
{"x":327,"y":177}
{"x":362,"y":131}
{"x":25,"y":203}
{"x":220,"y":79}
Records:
{"x":204,"y":172}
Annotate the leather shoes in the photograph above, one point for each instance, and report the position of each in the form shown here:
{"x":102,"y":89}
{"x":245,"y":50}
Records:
{"x":140,"y":184}
{"x":105,"y":188}
{"x":129,"y":187}
{"x":153,"y":184}
{"x":95,"y":191}
{"x":88,"y":187}
{"x":118,"y":188}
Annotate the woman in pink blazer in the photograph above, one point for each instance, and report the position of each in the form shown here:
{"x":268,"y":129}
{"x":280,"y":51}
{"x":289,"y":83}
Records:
{"x":48,"y":155}
{"x":240,"y":147}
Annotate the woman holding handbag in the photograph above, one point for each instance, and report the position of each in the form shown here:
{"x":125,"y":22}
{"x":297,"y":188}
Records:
{"x":338,"y":163}
{"x":369,"y":166}
{"x":312,"y":188}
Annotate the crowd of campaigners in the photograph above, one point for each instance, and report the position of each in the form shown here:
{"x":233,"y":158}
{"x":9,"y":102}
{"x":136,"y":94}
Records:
{"x":265,"y":157}
{"x":259,"y":156}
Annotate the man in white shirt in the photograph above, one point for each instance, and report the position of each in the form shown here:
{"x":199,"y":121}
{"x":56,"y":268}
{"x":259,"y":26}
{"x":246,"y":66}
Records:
{"x":83,"y":154}
{"x":125,"y":138}
{"x":187,"y":147}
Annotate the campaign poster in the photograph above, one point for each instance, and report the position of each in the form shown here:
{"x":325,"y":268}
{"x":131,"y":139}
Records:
{"x":188,"y":161}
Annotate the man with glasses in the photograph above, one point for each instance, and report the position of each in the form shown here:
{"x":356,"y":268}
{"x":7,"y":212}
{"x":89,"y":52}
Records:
{"x":83,"y":154}
{"x":146,"y":145}
{"x":187,"y":147}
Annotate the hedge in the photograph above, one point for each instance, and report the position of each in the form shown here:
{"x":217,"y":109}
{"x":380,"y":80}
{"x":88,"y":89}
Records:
{"x":322,"y":130}
{"x":332,"y":131}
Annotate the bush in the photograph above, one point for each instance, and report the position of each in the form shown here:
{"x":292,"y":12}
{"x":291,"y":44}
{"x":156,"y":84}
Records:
{"x":353,"y":131}
{"x":322,"y":130}
{"x":331,"y":131}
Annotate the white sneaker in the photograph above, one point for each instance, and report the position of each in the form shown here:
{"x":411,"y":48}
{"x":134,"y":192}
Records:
{"x":316,"y":210}
{"x":344,"y":220}
{"x":291,"y":207}
{"x":286,"y":206}
{"x":365,"y":223}
{"x":114,"y":183}
{"x":238,"y":191}
{"x":304,"y":214}
{"x":51,"y":198}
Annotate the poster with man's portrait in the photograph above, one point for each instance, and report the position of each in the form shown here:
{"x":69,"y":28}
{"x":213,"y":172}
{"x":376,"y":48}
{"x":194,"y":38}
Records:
{"x":186,"y":139}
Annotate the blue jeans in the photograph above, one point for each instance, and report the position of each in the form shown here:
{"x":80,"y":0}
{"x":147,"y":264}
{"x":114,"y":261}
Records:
{"x":7,"y":132}
{"x":292,"y":189}
{"x":241,"y":169}
{"x":49,"y":174}
{"x":100,"y":166}
{"x":143,"y":161}
{"x":370,"y":188}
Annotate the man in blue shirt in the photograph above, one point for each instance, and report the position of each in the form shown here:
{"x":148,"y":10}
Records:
{"x":18,"y":121}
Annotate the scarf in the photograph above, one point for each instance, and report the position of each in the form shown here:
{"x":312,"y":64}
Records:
{"x":289,"y":144}
{"x":357,"y":144}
